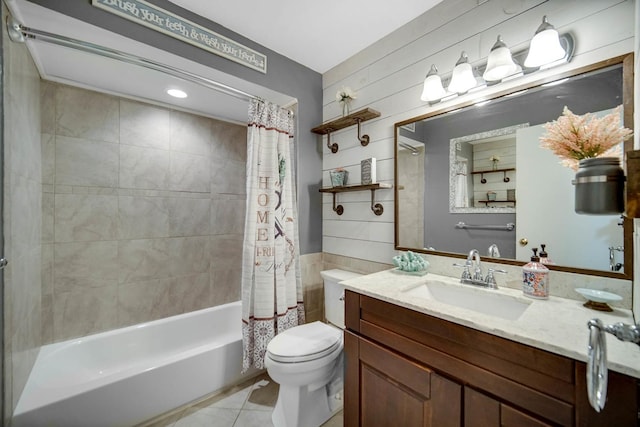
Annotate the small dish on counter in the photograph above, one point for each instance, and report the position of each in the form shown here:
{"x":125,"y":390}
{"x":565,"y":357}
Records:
{"x":598,"y":300}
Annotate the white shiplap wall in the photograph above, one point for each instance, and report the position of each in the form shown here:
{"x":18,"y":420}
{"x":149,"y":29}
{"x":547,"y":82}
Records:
{"x":388,"y":76}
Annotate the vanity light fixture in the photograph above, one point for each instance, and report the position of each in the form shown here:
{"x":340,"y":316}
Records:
{"x":500,"y":63}
{"x":177,"y":93}
{"x":462,"y":78}
{"x":545,"y":47}
{"x":433,"y":90}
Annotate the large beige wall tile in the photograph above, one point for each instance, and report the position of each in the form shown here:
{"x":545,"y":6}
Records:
{"x":46,"y":272}
{"x":47,"y":319}
{"x":48,"y":153}
{"x":189,"y":216}
{"x":28,"y":295}
{"x":144,"y":259}
{"x":88,"y":115}
{"x":226,"y":251}
{"x":81,"y":217}
{"x":144,"y":217}
{"x":84,"y":312}
{"x":145,"y":301}
{"x":189,"y":172}
{"x":81,"y":266}
{"x":26,"y":215}
{"x":190,"y":255}
{"x":227,"y":214}
{"x":47,"y":107}
{"x":25,"y":343}
{"x":144,"y":125}
{"x":144,"y":168}
{"x":226,"y":284}
{"x":190,"y":134}
{"x":191,"y":292}
{"x":228,"y":177}
{"x":86,"y":162}
{"x":229,"y":142}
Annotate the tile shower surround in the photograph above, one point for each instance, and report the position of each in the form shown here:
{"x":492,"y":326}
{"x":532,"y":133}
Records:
{"x":143,"y":211}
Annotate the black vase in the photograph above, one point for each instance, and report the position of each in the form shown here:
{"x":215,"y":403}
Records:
{"x":599,"y":186}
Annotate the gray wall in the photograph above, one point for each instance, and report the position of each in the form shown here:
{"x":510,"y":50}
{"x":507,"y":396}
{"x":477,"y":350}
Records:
{"x":284,"y":75}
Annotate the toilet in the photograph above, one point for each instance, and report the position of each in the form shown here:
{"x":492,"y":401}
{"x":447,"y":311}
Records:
{"x":306,"y":361}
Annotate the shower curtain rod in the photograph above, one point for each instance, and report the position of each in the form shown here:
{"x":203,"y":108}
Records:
{"x":19,"y":33}
{"x":409,"y":147}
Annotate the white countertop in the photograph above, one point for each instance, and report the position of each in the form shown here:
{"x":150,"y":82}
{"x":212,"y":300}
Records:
{"x":557,"y":325}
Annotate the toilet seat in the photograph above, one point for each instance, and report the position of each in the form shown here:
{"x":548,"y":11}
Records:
{"x":304,"y":343}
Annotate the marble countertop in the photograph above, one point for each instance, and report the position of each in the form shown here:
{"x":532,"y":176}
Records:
{"x":557,"y":325}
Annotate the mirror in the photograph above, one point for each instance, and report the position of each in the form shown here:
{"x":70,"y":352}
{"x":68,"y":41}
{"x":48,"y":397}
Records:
{"x":482,"y":171}
{"x":473,"y":176}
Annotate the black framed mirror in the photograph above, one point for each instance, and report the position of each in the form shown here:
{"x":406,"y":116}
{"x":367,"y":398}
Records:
{"x":472,"y":176}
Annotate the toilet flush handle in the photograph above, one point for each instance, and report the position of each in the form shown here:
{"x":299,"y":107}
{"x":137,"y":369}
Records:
{"x":341,"y":297}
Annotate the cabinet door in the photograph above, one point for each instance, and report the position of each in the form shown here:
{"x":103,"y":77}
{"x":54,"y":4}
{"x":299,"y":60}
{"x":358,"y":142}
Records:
{"x":481,"y":410}
{"x":396,"y":391}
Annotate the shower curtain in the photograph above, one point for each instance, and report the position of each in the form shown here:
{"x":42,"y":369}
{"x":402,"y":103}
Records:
{"x":271,"y":282}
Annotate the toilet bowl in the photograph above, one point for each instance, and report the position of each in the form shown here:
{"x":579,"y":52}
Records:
{"x":307,"y":362}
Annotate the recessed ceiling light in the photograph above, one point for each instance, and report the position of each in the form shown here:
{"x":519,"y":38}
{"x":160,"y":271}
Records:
{"x":177,"y":93}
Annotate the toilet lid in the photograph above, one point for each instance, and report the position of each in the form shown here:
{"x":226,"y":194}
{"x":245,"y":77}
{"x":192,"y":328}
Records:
{"x":304,"y":343}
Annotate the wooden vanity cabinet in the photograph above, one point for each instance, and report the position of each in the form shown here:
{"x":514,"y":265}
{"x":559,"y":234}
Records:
{"x":406,"y":368}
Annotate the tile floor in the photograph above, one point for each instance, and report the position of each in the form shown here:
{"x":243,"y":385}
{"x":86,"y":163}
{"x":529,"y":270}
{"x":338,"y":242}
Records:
{"x":246,"y":405}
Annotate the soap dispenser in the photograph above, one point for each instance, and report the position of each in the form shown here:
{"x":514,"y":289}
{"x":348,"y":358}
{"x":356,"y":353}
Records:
{"x":535,"y":278}
{"x":544,"y":256}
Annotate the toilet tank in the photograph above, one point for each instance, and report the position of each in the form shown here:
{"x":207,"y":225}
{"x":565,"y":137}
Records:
{"x":334,"y":294}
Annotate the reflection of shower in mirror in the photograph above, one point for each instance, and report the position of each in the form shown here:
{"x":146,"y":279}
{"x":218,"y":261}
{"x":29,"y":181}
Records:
{"x":406,"y":146}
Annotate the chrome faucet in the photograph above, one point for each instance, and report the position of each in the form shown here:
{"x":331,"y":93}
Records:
{"x":474,"y":259}
{"x":477,"y":278}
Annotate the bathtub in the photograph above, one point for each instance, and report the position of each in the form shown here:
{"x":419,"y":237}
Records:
{"x":126,"y":376}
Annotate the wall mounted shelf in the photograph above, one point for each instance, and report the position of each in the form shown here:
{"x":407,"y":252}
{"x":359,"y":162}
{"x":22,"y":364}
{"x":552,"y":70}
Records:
{"x":375,"y":207}
{"x":483,"y":180}
{"x":343,"y":122}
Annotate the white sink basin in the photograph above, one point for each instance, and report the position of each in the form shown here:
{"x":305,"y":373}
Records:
{"x":485,"y":301}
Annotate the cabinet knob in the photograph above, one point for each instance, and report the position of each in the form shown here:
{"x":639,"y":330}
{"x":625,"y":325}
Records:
{"x":524,"y":241}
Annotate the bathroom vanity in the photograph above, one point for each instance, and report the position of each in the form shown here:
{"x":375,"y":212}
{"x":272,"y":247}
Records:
{"x":412,"y":360}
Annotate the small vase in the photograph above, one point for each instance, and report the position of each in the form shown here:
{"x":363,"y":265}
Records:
{"x":338,"y":178}
{"x":599,"y":186}
{"x":345,"y":108}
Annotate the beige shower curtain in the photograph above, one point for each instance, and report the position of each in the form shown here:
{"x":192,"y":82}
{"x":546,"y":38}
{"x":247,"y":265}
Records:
{"x":271,"y":282}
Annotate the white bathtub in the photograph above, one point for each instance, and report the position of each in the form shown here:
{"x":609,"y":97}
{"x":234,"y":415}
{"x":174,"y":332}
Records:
{"x":129,"y":375}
